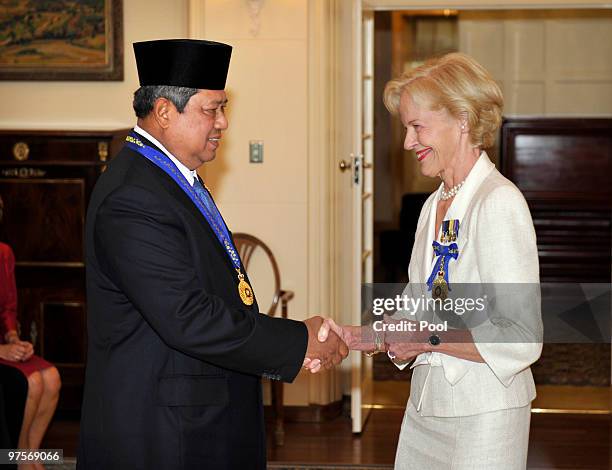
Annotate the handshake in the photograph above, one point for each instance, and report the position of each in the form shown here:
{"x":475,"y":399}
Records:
{"x":329,"y":343}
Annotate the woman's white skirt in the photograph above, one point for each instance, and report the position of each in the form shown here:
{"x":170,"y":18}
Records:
{"x":497,"y":440}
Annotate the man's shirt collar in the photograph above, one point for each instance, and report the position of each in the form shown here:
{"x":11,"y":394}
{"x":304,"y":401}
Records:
{"x":190,"y":175}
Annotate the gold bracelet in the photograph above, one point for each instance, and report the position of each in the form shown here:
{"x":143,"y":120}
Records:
{"x":10,"y":335}
{"x":380,"y":346}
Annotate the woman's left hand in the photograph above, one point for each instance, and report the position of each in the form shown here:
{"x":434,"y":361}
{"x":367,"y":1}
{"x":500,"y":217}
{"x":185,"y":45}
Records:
{"x":404,"y":352}
{"x":14,"y":352}
{"x":28,"y":348}
{"x":25,"y":348}
{"x":403,"y":346}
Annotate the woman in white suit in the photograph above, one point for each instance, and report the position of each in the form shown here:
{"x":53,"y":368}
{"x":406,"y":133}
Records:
{"x":471,"y":388}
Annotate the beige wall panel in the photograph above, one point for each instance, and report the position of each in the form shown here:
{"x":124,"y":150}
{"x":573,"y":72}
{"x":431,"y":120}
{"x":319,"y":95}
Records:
{"x":278,"y":19}
{"x":282,"y":227}
{"x":267,"y":88}
{"x":526,"y":98}
{"x":484,"y":40}
{"x":591,"y":99}
{"x":580,"y":49}
{"x":525,"y":49}
{"x":91,"y":105}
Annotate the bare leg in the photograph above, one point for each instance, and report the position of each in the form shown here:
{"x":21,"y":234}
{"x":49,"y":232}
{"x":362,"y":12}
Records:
{"x":48,"y":402}
{"x":35,"y":389}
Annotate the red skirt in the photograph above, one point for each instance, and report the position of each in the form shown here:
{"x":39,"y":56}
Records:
{"x":34,"y":364}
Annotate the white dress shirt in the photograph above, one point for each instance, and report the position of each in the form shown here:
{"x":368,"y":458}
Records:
{"x":190,"y":175}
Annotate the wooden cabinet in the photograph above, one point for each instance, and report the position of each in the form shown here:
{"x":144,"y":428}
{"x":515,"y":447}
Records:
{"x":46,"y":179}
{"x":562,"y":166}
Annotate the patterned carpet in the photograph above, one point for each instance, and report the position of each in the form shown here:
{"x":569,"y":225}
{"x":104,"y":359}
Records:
{"x":280,"y":466}
{"x":70,"y":464}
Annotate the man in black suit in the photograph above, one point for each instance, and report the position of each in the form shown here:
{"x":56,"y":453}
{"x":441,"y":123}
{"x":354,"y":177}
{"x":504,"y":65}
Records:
{"x":177,"y":345}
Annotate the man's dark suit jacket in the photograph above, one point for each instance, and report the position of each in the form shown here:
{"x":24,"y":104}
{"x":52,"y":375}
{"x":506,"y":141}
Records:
{"x":174,"y":356}
{"x":13,"y":394}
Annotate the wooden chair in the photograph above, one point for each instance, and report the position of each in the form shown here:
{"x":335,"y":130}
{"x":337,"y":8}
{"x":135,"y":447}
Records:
{"x":247,"y":245}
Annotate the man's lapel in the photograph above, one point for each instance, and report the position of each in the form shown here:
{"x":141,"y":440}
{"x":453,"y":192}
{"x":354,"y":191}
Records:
{"x":176,"y":192}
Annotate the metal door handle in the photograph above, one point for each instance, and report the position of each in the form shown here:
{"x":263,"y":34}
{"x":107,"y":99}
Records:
{"x":344,"y":165}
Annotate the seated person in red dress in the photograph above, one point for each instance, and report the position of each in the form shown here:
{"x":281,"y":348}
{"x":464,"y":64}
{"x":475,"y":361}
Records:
{"x":43,"y":378}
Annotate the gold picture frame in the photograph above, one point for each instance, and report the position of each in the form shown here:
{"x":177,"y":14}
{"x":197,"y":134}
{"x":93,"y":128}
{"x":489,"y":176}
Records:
{"x":61,"y":40}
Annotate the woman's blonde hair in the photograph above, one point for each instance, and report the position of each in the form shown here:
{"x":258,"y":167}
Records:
{"x":457,"y":83}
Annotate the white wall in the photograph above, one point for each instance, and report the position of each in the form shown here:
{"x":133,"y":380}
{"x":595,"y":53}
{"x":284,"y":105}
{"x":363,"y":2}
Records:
{"x":93,"y":105}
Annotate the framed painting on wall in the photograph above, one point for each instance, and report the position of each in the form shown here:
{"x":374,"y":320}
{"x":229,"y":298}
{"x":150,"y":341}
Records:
{"x":61,"y":40}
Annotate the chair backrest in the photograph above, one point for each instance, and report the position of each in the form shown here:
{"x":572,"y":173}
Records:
{"x":246,"y":245}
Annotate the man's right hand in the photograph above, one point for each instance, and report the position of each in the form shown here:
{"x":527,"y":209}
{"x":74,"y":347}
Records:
{"x":328,"y":353}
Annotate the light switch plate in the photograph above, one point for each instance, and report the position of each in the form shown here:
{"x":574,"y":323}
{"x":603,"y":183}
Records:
{"x":256,"y":151}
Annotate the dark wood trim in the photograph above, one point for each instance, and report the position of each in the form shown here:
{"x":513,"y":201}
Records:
{"x":512,"y":127}
{"x":98,"y":133}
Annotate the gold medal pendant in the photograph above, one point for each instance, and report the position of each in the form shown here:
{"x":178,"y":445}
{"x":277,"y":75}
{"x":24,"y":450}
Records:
{"x":440,"y":287}
{"x":244,"y":290}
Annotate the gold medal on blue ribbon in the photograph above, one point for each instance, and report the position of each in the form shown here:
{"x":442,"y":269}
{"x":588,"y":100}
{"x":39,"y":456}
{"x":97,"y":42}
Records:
{"x":450,"y":230}
{"x":453,"y":230}
{"x":244,"y":290}
{"x":444,"y":231}
{"x":438,"y":280}
{"x":440,"y":286}
{"x":204,"y":202}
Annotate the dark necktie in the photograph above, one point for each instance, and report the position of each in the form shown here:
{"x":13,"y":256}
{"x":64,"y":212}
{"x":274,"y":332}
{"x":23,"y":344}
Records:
{"x":211,"y":207}
{"x":205,"y":197}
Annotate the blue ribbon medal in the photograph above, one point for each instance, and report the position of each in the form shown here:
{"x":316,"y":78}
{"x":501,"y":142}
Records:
{"x":438,"y":280}
{"x":203,"y":201}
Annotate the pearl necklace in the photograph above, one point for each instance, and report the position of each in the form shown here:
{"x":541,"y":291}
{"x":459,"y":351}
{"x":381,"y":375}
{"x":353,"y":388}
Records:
{"x":451,"y":192}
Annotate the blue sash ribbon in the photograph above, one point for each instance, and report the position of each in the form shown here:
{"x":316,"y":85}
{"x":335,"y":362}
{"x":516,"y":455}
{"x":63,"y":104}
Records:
{"x":206,"y":207}
{"x":444,"y":253}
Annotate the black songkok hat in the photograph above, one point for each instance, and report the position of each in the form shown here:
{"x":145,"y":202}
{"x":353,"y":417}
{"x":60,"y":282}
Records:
{"x":183,"y":62}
